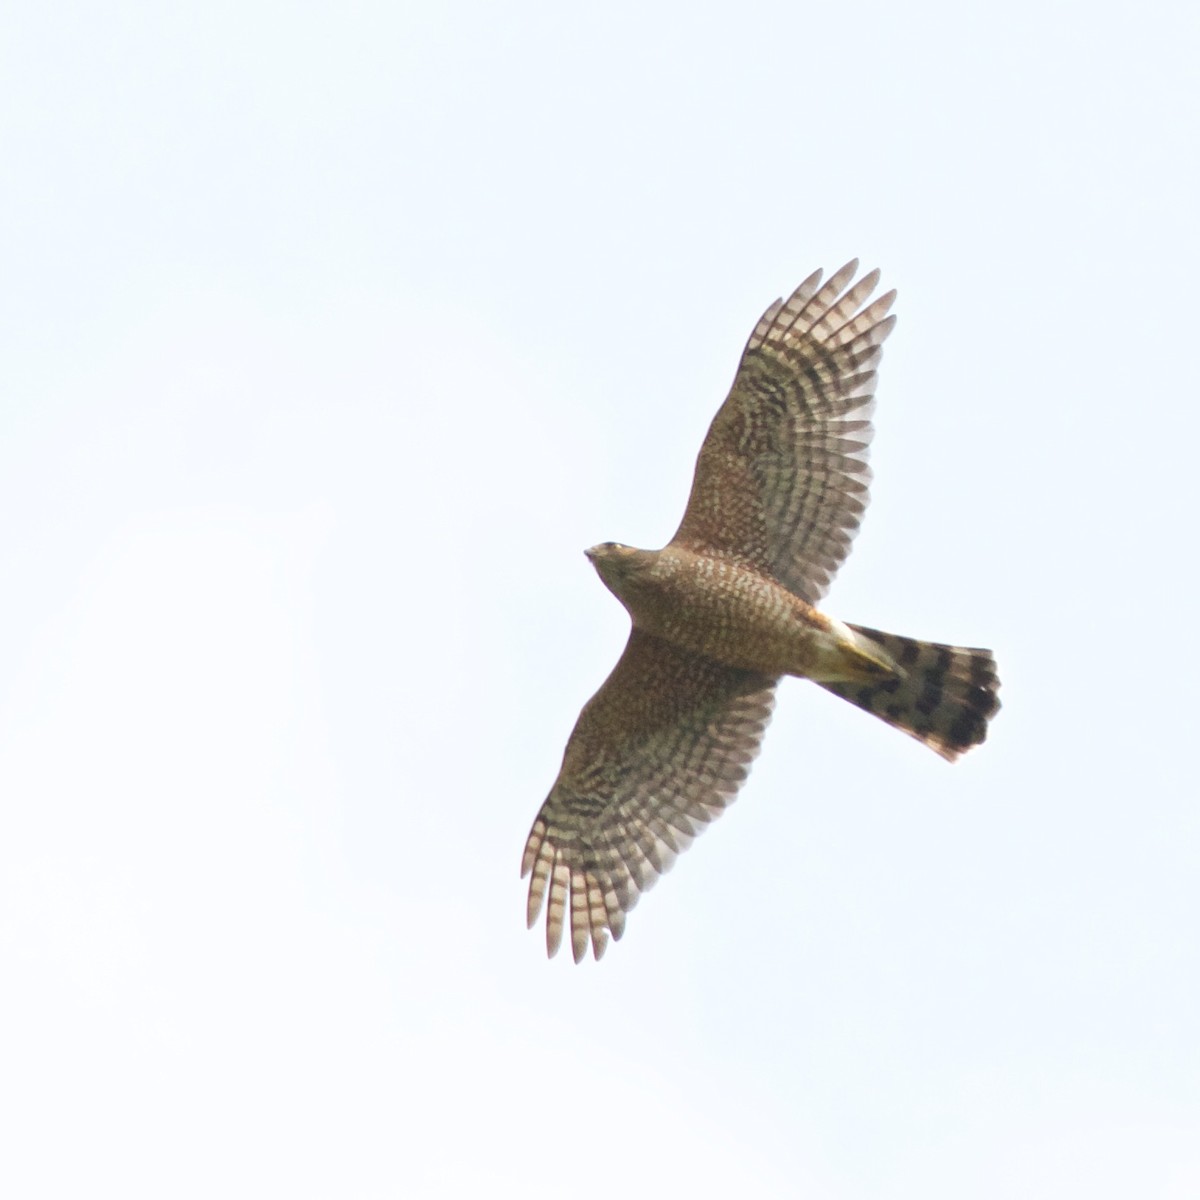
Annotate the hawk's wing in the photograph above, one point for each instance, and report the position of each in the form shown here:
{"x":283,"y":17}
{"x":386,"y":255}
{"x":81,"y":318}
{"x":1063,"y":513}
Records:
{"x":656,"y":754}
{"x":781,"y":481}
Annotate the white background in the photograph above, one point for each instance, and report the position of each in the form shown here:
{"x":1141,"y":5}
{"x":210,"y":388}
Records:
{"x":331,"y":335}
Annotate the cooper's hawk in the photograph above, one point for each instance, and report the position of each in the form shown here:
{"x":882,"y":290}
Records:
{"x":727,"y":608}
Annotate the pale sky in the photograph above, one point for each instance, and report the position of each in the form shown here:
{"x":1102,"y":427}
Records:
{"x":332,"y":334}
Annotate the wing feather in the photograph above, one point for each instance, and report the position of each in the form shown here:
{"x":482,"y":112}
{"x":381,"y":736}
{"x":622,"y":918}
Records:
{"x":781,"y":481}
{"x":656,"y":754}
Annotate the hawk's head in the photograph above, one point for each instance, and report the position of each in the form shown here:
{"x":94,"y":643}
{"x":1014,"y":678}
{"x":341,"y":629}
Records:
{"x":616,"y":564}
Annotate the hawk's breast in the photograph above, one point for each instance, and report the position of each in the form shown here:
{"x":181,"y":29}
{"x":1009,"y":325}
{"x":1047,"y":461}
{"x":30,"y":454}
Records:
{"x":725,"y":609}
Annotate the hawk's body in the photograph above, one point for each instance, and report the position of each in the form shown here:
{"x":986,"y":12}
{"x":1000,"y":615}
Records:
{"x":727,"y":608}
{"x":730,"y":612}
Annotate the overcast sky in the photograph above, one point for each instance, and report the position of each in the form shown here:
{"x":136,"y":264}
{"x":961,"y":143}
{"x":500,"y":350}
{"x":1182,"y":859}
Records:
{"x":331,"y":335}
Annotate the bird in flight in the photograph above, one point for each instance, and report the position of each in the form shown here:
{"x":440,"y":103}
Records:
{"x":727,"y":608}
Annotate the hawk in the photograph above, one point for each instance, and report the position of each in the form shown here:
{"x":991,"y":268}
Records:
{"x":727,"y":608}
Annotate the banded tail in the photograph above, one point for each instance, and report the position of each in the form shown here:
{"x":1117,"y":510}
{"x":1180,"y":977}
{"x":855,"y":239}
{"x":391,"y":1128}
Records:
{"x":945,"y":699}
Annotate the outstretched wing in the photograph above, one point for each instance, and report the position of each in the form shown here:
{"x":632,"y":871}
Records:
{"x":656,"y":754}
{"x":781,"y":481}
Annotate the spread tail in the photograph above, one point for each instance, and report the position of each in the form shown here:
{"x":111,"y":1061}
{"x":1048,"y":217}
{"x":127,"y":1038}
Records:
{"x":945,"y":698}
